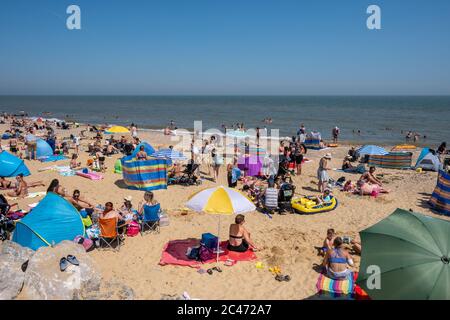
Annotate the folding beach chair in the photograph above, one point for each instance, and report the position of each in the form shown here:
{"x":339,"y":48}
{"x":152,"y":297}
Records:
{"x":150,"y":218}
{"x":109,"y":233}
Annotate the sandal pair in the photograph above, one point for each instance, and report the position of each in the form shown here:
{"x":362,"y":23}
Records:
{"x":280,"y":278}
{"x":210,"y":271}
{"x":64,"y":262}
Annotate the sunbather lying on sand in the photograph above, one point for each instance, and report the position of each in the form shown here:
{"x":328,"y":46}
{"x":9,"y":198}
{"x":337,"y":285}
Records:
{"x":21,"y":189}
{"x":366,"y":188}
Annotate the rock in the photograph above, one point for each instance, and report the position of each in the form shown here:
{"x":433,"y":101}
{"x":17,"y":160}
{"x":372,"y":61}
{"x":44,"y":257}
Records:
{"x":45,"y":281}
{"x":12,"y":257}
{"x":109,"y":290}
{"x":21,"y":254}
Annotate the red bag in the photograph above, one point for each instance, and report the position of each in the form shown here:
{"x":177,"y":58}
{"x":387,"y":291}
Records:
{"x":133,"y":229}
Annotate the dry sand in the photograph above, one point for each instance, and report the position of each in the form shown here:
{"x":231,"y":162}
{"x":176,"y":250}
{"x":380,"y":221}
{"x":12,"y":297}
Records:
{"x":287,"y":241}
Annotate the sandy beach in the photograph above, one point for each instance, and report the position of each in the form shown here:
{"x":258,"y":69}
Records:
{"x":287,"y":241}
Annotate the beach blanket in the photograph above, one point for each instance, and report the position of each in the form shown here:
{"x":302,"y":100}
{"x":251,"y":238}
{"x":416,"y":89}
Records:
{"x":53,"y":158}
{"x":174,"y":253}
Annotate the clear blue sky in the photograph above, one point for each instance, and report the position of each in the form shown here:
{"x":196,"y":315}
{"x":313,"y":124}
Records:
{"x":225,"y":47}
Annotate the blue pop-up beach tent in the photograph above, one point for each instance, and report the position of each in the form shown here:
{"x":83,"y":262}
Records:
{"x":11,"y":166}
{"x":44,"y":150}
{"x":53,"y":220}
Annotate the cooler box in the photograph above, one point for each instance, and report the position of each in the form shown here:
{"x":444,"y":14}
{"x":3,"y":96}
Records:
{"x":209,"y":240}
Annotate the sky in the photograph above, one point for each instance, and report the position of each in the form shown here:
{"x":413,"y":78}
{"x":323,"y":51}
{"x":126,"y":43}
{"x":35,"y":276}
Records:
{"x":225,"y":47}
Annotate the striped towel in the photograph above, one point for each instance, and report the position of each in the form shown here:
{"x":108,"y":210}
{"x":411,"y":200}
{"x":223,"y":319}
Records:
{"x":335,"y":286}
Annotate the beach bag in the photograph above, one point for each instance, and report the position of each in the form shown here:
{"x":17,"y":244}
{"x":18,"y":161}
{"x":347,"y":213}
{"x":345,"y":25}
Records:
{"x":15,"y":215}
{"x":87,"y":221}
{"x":133,"y":229}
{"x":205,"y":254}
{"x":87,"y":243}
{"x":193,"y":253}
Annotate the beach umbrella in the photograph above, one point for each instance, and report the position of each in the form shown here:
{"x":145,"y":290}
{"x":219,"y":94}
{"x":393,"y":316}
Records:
{"x":221,"y":201}
{"x":371,"y":150}
{"x":117,"y":129}
{"x":169,"y":154}
{"x":406,"y":256}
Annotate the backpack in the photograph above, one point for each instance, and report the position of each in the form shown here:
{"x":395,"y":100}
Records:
{"x":87,"y":243}
{"x":194,"y":253}
{"x":133,"y":229}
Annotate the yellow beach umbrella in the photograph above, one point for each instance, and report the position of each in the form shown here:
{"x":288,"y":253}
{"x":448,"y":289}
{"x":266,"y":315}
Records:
{"x":117,"y":129}
{"x":221,"y":201}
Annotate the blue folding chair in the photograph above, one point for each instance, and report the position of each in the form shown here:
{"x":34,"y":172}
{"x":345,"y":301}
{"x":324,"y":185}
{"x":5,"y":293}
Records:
{"x":150,"y":218}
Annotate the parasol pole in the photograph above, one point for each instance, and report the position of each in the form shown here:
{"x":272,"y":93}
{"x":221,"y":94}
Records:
{"x":218,"y":242}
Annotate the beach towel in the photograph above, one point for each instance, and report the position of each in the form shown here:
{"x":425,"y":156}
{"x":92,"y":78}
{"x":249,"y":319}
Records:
{"x":338,"y":288}
{"x":326,"y":284}
{"x":174,"y":253}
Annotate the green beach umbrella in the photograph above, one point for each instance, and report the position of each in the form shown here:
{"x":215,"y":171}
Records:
{"x":406,"y":256}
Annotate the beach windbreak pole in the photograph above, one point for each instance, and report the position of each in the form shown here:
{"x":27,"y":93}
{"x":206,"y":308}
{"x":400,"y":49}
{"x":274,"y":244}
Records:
{"x":406,"y":256}
{"x":221,"y":201}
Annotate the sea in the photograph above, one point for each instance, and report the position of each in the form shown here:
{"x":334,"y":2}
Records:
{"x":383,"y":120}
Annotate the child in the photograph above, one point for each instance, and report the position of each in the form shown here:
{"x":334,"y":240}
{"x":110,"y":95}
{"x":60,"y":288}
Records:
{"x":349,"y":186}
{"x":328,"y":242}
{"x":73,"y":163}
{"x":324,"y":198}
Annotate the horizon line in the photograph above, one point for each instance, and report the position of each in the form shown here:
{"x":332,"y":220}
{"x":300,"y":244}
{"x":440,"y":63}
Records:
{"x":225,"y":95}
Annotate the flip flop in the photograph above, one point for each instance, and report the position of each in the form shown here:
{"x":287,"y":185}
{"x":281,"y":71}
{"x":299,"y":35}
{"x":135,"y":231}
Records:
{"x":209,"y":271}
{"x":287,"y":278}
{"x":217,"y":269}
{"x":63,"y":264}
{"x":73,"y":260}
{"x":279,"y":277}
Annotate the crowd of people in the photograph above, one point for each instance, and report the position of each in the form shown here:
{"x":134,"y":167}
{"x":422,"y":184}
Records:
{"x":264,"y":189}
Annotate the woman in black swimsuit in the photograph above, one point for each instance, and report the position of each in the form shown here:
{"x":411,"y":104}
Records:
{"x":239,"y":236}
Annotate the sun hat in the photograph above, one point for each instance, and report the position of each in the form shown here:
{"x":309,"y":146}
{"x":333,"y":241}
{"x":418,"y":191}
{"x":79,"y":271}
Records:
{"x":128,"y":198}
{"x":327,"y":156}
